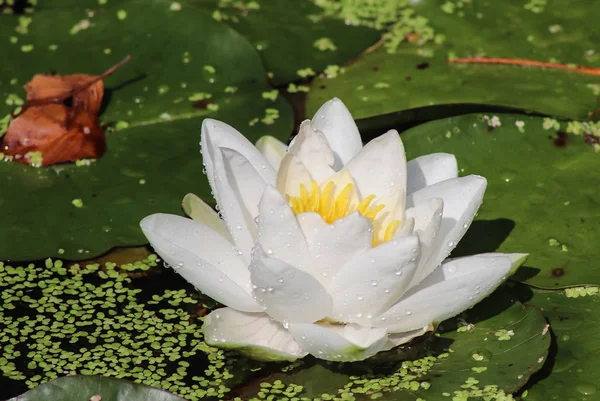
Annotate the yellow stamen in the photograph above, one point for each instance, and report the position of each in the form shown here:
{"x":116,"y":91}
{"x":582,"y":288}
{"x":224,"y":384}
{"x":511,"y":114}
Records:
{"x":390,"y":230}
{"x":332,"y":208}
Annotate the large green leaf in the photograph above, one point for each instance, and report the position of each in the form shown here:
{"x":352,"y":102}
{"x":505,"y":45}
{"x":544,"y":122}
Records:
{"x":94,"y":388}
{"x":288,"y":38}
{"x":153,"y":163}
{"x":572,"y":374}
{"x":417,"y":76}
{"x":541,"y":197}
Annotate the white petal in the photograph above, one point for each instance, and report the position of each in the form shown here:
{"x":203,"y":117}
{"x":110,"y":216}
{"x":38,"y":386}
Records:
{"x":340,"y":242}
{"x":288,"y":293}
{"x":217,"y":134}
{"x":292,"y":173}
{"x":462,"y":198}
{"x":380,"y":167}
{"x":252,"y":334}
{"x":339,"y":343}
{"x":397,"y":339}
{"x":407,"y":228}
{"x":238,"y":219}
{"x":371,"y":282}
{"x":311,"y":224}
{"x":247,"y":184}
{"x":335,"y":121}
{"x":430,"y":169}
{"x":200,"y":211}
{"x":312,"y":148}
{"x":428,"y":217}
{"x":272,"y":149}
{"x":453,"y":288}
{"x":202,"y":257}
{"x":279,"y":233}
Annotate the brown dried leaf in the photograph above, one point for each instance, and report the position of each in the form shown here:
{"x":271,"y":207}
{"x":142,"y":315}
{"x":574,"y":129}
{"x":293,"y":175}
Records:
{"x":56,"y":88}
{"x":61,"y":133}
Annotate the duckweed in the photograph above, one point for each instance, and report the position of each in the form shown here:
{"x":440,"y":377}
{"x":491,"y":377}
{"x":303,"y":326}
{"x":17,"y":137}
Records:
{"x":61,"y":320}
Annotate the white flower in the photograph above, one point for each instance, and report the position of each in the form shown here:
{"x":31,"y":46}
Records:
{"x":327,"y":247}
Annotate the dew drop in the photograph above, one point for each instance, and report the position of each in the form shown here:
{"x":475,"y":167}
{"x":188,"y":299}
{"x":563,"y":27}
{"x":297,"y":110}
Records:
{"x":450,"y":243}
{"x":269,"y":251}
{"x":374,"y":283}
{"x":586,"y":388}
{"x":398,"y":272}
{"x":387,"y":290}
{"x":360,"y":297}
{"x":409,"y":312}
{"x":280,"y":280}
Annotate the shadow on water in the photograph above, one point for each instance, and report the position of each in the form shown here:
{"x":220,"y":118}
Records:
{"x":372,"y":127}
{"x":484,"y":236}
{"x":108,"y":92}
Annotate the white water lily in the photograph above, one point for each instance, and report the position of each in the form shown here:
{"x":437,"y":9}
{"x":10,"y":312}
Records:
{"x":327,"y":247}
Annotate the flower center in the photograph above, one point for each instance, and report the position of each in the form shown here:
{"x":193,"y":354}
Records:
{"x":331,"y":208}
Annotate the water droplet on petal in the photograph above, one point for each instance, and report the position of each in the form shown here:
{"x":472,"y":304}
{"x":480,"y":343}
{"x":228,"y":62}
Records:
{"x":360,"y":297}
{"x":374,"y":283}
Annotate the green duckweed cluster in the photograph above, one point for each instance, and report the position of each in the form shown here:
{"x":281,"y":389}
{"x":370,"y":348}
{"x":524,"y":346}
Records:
{"x":399,"y":21}
{"x":589,"y":130}
{"x":60,"y":321}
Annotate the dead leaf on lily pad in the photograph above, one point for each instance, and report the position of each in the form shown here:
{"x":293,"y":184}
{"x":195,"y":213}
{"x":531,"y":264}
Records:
{"x":48,"y":130}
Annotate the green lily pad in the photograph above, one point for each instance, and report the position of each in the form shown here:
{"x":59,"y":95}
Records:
{"x":419,"y":75}
{"x":179,"y":59}
{"x":95,"y":388}
{"x":541,"y":197}
{"x":290,"y":39}
{"x":573,"y":372}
